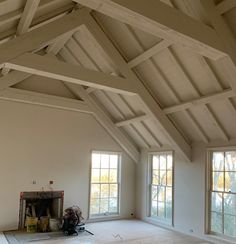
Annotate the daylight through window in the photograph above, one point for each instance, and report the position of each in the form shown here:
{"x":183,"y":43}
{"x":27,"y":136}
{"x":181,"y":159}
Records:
{"x":223,"y":193}
{"x":105,"y":178}
{"x":161,"y":185}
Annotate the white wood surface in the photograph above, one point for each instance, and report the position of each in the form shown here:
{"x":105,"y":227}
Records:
{"x":200,"y":101}
{"x":165,"y":22}
{"x":41,"y":36}
{"x":149,"y":53}
{"x":35,"y":98}
{"x":152,"y":107}
{"x":44,"y":66}
{"x":27,"y":16}
{"x":132,"y":120}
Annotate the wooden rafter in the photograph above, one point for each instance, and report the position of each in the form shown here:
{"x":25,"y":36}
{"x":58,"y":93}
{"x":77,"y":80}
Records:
{"x":43,"y":66}
{"x":27,"y":16}
{"x":149,"y":53}
{"x":165,"y":22}
{"x":35,"y":98}
{"x":227,"y":37}
{"x":152,"y":107}
{"x":100,"y":114}
{"x":200,"y":101}
{"x":133,"y":120}
{"x":41,"y":36}
{"x":187,"y":113}
{"x":225,"y":6}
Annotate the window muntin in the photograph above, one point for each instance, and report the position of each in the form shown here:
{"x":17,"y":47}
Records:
{"x":105,"y":181}
{"x":223,"y":193}
{"x":161,"y":186}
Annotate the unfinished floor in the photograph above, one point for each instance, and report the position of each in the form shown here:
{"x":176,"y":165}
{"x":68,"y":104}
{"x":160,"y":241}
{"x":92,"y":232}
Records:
{"x":128,"y":231}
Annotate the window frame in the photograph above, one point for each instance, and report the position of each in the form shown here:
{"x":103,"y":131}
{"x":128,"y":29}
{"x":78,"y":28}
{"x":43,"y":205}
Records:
{"x":106,"y":215}
{"x":209,"y":190}
{"x":149,"y":188}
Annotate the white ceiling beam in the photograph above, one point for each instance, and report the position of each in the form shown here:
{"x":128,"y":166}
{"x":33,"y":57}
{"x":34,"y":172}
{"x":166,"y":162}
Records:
{"x":12,"y":78}
{"x":45,"y":66}
{"x":41,"y":36}
{"x":35,"y":98}
{"x":197,"y":93}
{"x":149,"y":53}
{"x":173,"y":93}
{"x":225,"y":6}
{"x":106,"y":122}
{"x":227,"y":37}
{"x":163,"y":21}
{"x":150,"y":104}
{"x":27,"y":16}
{"x":133,"y":120}
{"x":200,"y":101}
{"x":58,"y":44}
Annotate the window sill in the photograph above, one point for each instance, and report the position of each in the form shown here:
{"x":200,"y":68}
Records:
{"x":103,"y":218}
{"x":159,"y":222}
{"x":219,"y":239}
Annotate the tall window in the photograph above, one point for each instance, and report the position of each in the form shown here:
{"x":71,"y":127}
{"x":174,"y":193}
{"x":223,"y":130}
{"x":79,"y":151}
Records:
{"x":161,"y":185}
{"x":105,"y":178}
{"x":222,"y":192}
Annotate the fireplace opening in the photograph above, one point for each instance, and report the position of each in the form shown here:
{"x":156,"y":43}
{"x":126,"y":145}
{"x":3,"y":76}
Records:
{"x":40,"y":204}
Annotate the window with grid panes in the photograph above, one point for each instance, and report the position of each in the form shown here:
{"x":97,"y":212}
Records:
{"x":223,"y":193}
{"x":161,"y":185}
{"x":105,"y":180}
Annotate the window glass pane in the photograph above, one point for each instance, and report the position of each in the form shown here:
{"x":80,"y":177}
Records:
{"x":155,"y":177}
{"x":154,"y":208}
{"x":113,"y":176}
{"x":218,"y":181}
{"x":95,"y":190}
{"x":230,"y":181}
{"x":216,"y":202}
{"x":163,"y":162}
{"x":113,"y":190}
{"x":94,"y":206}
{"x":168,"y":211}
{"x":104,"y":205}
{"x":161,"y":209}
{"x":230,"y":204}
{"x":154,"y":193}
{"x":218,"y":161}
{"x":113,"y":161}
{"x":216,"y":222}
{"x":169,"y":178}
{"x":113,"y":206}
{"x":162,"y":177}
{"x":169,"y":194}
{"x":95,"y":175}
{"x":161,"y":194}
{"x":229,"y":225}
{"x":169,"y":162}
{"x":104,"y":190}
{"x":96,"y":160}
{"x":104,"y":161}
{"x":155,"y":162}
{"x":230,"y":161}
{"x":104,"y":175}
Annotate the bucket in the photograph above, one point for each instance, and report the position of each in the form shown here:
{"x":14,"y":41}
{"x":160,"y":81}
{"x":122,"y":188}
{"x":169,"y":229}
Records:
{"x":44,"y":223}
{"x":54,"y":224}
{"x":31,"y":224}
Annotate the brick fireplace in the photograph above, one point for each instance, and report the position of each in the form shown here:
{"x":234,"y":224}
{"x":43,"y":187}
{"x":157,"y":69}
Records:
{"x":40,"y":203}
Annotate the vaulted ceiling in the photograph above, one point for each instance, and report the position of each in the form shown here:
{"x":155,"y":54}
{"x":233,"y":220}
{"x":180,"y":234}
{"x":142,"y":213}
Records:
{"x":159,"y":74}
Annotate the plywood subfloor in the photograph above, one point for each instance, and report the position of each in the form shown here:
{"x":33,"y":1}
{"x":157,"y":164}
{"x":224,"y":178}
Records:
{"x":130,"y":232}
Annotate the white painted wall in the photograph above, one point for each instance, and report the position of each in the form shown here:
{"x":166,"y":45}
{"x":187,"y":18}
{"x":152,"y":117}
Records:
{"x":189,"y":196}
{"x":42,"y":144}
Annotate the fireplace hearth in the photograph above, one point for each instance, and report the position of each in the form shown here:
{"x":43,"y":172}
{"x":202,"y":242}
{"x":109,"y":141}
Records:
{"x":40,"y":203}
